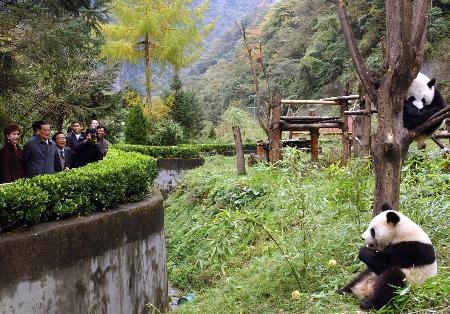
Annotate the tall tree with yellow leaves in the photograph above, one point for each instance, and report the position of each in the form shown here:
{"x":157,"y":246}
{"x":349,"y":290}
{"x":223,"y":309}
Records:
{"x":161,"y":31}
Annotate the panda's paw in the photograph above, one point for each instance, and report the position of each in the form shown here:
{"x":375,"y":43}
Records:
{"x":366,"y":304}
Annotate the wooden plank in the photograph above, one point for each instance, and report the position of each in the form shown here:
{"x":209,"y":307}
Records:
{"x":358,"y":112}
{"x":305,"y":127}
{"x":308,"y":118}
{"x":308,"y":102}
{"x":342,"y":98}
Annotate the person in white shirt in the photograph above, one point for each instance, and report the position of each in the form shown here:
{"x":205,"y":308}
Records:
{"x":76,"y":136}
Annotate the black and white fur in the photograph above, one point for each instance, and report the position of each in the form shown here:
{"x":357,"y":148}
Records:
{"x":397,"y":252}
{"x":422,"y":100}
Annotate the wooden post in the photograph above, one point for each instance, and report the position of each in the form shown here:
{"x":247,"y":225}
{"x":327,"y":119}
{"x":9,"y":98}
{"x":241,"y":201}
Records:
{"x":275,"y":128}
{"x":314,"y":134}
{"x":239,"y":150}
{"x":362,"y":128}
{"x":345,"y":137}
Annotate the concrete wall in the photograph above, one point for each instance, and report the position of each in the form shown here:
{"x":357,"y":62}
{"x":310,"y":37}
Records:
{"x":112,"y":262}
{"x":170,"y":171}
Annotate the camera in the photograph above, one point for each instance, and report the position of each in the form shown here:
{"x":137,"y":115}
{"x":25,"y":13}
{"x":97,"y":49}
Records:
{"x":92,"y":132}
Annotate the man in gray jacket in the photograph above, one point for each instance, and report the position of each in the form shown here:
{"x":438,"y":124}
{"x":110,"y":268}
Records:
{"x":39,"y":151}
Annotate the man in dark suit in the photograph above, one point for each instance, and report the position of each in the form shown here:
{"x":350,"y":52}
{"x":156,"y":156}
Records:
{"x":87,"y":151}
{"x":39,"y":151}
{"x":76,"y":136}
{"x":63,"y":155}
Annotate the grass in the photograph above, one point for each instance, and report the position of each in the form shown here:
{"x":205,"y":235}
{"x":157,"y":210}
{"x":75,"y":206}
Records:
{"x":220,"y":227}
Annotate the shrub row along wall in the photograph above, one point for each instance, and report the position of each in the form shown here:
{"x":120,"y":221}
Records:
{"x":110,"y":262}
{"x":181,"y":151}
{"x":119,"y":178}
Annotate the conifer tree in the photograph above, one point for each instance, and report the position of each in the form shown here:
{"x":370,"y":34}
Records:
{"x":167,"y":32}
{"x":185,"y":108}
{"x":136,"y":125}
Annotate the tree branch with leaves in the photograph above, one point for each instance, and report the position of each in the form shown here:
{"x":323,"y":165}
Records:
{"x":165,"y":32}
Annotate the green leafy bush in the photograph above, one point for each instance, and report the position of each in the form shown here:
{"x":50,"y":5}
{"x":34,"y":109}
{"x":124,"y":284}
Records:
{"x":180,"y":151}
{"x":120,"y":177}
{"x":166,"y":132}
{"x":136,"y":125}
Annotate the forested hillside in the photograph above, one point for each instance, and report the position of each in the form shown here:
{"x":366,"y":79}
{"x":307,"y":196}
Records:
{"x":305,"y":52}
{"x":223,"y":13}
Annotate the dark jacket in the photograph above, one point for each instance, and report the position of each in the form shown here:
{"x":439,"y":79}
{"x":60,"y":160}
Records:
{"x":85,"y":152}
{"x":39,"y":156}
{"x":67,"y":159}
{"x":12,"y":166}
{"x":71,"y":139}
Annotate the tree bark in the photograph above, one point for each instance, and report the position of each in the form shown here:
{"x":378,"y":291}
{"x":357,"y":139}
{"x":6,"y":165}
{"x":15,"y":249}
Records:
{"x":148,"y":73}
{"x":275,"y":130}
{"x":389,"y":150}
{"x":387,"y":88}
{"x":240,"y":161}
{"x":249,"y":49}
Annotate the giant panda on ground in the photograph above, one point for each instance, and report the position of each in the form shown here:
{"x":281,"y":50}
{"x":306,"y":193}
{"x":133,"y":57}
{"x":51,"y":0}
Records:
{"x":422,"y":100}
{"x":397,"y":252}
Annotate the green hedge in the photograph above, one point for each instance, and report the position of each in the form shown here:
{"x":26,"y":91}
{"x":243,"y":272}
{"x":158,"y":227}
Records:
{"x":181,"y":151}
{"x":120,"y":177}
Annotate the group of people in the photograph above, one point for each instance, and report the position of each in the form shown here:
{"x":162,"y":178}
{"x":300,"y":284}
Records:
{"x":43,"y":155}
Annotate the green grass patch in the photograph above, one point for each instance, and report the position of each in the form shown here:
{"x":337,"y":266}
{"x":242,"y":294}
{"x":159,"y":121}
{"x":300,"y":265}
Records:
{"x":219,"y":228}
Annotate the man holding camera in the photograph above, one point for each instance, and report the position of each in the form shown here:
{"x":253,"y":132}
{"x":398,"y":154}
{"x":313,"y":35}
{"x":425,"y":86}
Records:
{"x":88,"y":150}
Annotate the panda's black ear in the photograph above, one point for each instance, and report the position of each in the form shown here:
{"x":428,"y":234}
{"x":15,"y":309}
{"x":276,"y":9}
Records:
{"x":392,"y":217}
{"x":431,"y":83}
{"x":386,"y":207}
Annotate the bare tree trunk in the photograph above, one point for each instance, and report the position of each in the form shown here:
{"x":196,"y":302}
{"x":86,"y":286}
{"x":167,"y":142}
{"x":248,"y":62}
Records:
{"x":387,"y":88}
{"x":239,"y":150}
{"x":148,"y":73}
{"x":249,"y":49}
{"x":389,"y":150}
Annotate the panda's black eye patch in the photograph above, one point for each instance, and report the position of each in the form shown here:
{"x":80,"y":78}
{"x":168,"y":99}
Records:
{"x":424,"y":101}
{"x":411,"y":99}
{"x":372,"y":232}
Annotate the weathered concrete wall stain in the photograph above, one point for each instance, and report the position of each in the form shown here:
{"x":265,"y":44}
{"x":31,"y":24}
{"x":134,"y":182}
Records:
{"x":171,"y":170}
{"x":113,"y":262}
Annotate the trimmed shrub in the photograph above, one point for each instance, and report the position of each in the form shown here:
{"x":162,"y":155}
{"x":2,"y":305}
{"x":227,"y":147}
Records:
{"x":166,"y":132}
{"x":120,"y":177}
{"x":181,"y":151}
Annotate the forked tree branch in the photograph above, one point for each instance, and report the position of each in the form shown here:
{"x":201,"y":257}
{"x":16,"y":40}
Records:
{"x":421,"y":14}
{"x":434,"y":119}
{"x":255,"y":79}
{"x":367,"y":80}
{"x":404,"y":76}
{"x":393,"y":33}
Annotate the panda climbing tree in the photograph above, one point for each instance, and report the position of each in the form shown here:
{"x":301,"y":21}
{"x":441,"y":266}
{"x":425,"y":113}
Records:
{"x":387,"y":88}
